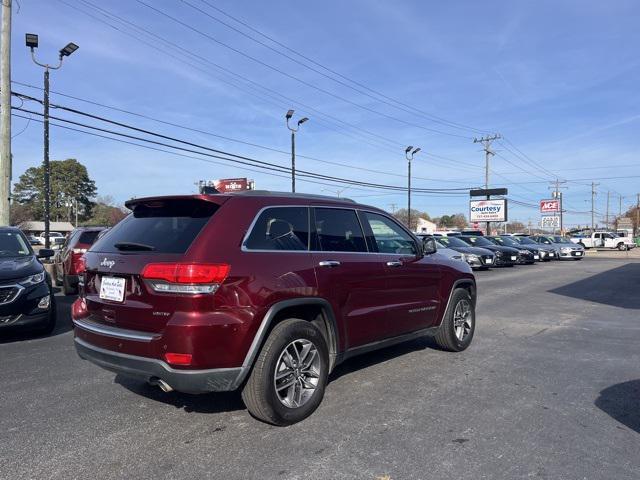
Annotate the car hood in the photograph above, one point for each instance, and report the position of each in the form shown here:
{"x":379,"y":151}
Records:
{"x":12,"y":268}
{"x":500,"y":248}
{"x":472,"y":250}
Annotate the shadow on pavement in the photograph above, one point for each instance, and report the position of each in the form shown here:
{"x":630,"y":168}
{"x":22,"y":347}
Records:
{"x":202,"y":403}
{"x":63,"y":322}
{"x":378,"y":356}
{"x":617,"y":287}
{"x":621,"y":402}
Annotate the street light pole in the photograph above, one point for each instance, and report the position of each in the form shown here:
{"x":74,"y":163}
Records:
{"x":293,"y":146}
{"x":409,"y":155}
{"x":32,"y":42}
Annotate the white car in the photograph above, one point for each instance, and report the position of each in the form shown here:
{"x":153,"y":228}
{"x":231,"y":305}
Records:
{"x":55,"y":238}
{"x":605,"y":240}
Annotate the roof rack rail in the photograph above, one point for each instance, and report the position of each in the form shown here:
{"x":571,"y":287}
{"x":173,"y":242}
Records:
{"x":292,"y":195}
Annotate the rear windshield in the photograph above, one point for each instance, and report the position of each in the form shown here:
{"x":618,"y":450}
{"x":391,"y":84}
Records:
{"x":158,"y":227}
{"x":88,"y":238}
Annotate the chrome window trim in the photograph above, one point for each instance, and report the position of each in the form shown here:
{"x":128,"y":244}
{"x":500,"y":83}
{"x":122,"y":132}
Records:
{"x":244,"y":249}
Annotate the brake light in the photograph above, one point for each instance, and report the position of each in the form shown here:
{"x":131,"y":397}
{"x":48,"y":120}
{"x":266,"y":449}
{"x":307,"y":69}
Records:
{"x":178,"y":358}
{"x":80,"y":265}
{"x":191,"y":278}
{"x":79,"y":250}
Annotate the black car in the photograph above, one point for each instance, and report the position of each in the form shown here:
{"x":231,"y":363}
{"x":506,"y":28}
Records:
{"x":476,"y":257}
{"x":525,"y":255}
{"x":505,"y":256}
{"x":545,"y":254}
{"x":26,"y":296}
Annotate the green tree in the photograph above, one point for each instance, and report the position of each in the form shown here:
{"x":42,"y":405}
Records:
{"x":402,"y":217}
{"x":106,"y":213}
{"x":70,"y":182}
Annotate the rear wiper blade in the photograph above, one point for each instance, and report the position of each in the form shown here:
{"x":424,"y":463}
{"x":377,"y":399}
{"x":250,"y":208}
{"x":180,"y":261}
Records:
{"x":133,"y":246}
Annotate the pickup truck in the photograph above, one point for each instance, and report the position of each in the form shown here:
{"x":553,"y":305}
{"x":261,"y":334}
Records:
{"x":604,"y":240}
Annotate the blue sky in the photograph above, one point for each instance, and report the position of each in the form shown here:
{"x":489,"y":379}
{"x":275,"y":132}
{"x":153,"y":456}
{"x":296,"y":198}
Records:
{"x":558,"y":79}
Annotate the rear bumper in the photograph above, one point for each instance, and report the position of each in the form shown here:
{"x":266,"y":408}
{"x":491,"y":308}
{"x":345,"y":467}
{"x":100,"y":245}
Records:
{"x":151,"y":370}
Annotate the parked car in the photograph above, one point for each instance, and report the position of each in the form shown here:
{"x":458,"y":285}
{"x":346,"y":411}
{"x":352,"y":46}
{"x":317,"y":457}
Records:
{"x":441,"y":249}
{"x":26,"y":296}
{"x":67,"y":261}
{"x":473,"y":233}
{"x":477,"y":258}
{"x":545,"y":253}
{"x":604,"y":240}
{"x":505,"y":256}
{"x":525,"y":256}
{"x":565,"y":248}
{"x":262,"y":291}
{"x":33,"y":240}
{"x":55,"y":239}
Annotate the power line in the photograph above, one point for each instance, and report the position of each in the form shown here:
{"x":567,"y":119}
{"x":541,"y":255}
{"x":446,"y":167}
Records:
{"x":363,"y":90}
{"x":243,"y":142}
{"x":216,"y":152}
{"x":293,"y":77}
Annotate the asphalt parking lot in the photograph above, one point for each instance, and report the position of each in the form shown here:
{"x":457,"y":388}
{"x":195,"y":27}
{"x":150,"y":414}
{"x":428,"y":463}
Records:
{"x":549,"y":389}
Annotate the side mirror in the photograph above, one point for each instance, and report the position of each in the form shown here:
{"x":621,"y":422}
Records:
{"x":46,"y":253}
{"x":429,"y":246}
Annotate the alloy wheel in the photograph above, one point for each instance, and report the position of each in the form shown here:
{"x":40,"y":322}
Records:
{"x":462,"y":319}
{"x":297,"y":373}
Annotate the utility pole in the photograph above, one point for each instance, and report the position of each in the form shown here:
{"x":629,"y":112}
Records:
{"x":393,"y":207}
{"x":486,"y":143}
{"x":5,"y":113}
{"x":593,"y":197}
{"x":409,"y":155}
{"x":557,"y":194}
{"x":31,"y":41}
{"x":293,"y":146}
{"x":607,"y":216}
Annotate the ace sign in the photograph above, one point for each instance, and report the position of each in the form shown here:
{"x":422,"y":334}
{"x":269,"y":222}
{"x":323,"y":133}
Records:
{"x":549,"y":206}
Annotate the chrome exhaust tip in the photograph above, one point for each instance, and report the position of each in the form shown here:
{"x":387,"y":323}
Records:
{"x":164,"y":386}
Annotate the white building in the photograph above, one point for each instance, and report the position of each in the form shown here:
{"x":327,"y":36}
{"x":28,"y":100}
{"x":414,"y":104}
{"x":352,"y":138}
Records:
{"x":425,"y":226}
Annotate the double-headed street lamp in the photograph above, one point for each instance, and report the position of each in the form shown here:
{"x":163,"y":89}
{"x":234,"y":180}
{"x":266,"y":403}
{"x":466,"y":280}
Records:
{"x":32,"y":42}
{"x":293,"y":146}
{"x":409,"y":153}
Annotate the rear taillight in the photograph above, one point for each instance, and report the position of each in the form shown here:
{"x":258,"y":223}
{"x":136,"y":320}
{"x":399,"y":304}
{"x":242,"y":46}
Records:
{"x":191,"y":278}
{"x":80,"y":265}
{"x":79,"y":250}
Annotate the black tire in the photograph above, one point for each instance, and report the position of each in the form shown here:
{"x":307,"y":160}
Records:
{"x":446,"y":337}
{"x":259,"y":394}
{"x":622,"y":247}
{"x":66,"y":288}
{"x":50,"y":326}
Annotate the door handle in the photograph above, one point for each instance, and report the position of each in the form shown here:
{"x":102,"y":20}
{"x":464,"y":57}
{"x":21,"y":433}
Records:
{"x":329,"y":263}
{"x":394,"y":264}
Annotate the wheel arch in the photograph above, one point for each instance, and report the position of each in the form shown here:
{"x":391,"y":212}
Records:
{"x":467,"y":284}
{"x":315,"y":310}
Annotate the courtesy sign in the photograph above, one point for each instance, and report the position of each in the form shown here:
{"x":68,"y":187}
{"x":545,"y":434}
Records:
{"x":488,"y":210}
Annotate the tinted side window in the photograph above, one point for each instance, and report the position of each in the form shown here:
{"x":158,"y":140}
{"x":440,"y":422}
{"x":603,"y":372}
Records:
{"x":339,"y":230}
{"x":280,"y":228}
{"x":88,"y":237}
{"x":389,"y":236}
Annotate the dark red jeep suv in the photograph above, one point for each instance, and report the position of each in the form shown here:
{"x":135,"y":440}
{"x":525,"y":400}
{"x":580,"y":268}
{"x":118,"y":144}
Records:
{"x":262,"y":291}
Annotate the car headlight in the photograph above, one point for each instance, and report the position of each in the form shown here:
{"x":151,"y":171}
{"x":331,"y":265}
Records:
{"x":565,"y":249}
{"x":32,"y":280}
{"x":471,"y":257}
{"x":523,"y":252}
